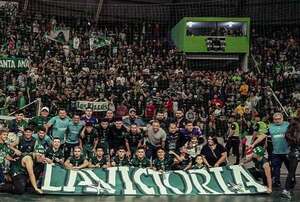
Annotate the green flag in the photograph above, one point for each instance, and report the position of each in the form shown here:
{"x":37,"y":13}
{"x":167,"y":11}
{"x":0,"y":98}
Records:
{"x":59,"y":35}
{"x":99,"y":42}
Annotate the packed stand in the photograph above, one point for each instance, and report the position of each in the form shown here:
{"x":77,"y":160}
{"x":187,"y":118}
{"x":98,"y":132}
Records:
{"x":162,"y":115}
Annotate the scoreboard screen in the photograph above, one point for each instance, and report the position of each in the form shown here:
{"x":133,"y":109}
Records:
{"x":215,"y":44}
{"x":212,"y":35}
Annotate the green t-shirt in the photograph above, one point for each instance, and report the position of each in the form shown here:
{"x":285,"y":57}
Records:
{"x":59,"y":127}
{"x":38,"y":122}
{"x":73,"y":132}
{"x":140,"y":163}
{"x":45,"y":142}
{"x":21,"y":102}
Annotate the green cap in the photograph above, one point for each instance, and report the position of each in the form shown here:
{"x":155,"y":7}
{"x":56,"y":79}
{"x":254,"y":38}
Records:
{"x":259,"y":151}
{"x":39,"y":149}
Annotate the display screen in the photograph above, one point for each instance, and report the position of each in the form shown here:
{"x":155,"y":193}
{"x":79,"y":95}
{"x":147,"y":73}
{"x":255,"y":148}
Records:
{"x":215,"y":44}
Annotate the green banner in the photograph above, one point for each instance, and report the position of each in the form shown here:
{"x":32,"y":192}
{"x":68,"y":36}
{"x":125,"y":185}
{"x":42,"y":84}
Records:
{"x":14,"y":63}
{"x":95,"y":106}
{"x":139,"y":181}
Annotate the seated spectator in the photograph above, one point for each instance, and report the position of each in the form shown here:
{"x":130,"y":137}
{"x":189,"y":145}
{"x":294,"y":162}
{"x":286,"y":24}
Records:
{"x":183,"y":161}
{"x":200,"y":162}
{"x":18,"y":124}
{"x":214,"y":153}
{"x":163,"y":162}
{"x":193,"y":147}
{"x":140,"y":160}
{"x":120,"y":159}
{"x":55,"y":154}
{"x":98,"y":160}
{"x":77,"y":160}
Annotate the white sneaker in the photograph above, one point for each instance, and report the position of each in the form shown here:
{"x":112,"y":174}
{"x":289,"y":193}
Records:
{"x":286,"y":194}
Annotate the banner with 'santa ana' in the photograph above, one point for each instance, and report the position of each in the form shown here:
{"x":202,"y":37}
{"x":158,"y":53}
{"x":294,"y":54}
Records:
{"x":139,"y":181}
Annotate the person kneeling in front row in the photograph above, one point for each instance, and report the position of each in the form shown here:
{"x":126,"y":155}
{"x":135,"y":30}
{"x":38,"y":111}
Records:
{"x":262,"y":167}
{"x":77,"y":160}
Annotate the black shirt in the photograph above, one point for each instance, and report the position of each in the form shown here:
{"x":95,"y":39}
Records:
{"x":117,"y":137}
{"x":213,"y":156}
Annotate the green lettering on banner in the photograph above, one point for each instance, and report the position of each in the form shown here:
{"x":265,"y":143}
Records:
{"x":139,"y":181}
{"x":96,"y":106}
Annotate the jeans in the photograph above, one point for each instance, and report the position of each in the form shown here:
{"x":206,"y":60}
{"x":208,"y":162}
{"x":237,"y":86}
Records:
{"x":2,"y":178}
{"x":291,"y":179}
{"x":234,"y":144}
{"x":258,"y":175}
{"x":276,"y":161}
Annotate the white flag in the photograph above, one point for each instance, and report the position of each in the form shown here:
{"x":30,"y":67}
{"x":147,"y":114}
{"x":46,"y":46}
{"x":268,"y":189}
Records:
{"x":76,"y":42}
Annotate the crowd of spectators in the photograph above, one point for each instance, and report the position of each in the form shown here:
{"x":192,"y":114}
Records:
{"x":161,"y":113}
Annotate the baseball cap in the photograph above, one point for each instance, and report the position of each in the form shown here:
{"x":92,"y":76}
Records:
{"x":132,"y":110}
{"x":259,"y":151}
{"x":28,"y":128}
{"x":39,"y":149}
{"x":45,"y":109}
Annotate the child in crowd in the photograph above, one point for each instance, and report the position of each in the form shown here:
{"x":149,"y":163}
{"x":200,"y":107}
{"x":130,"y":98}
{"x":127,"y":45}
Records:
{"x":193,"y":147}
{"x":200,"y":163}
